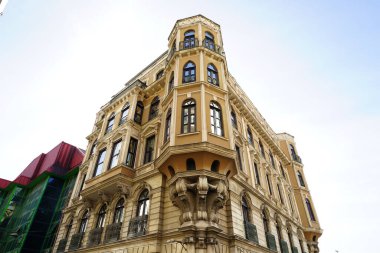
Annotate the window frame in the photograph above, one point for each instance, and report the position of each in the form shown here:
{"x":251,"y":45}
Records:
{"x":130,"y":153}
{"x":153,"y":111}
{"x":143,"y":203}
{"x":214,"y":109}
{"x":116,"y":147}
{"x":124,"y":114}
{"x":189,"y":72}
{"x":149,"y":149}
{"x":139,"y":111}
{"x":110,"y":123}
{"x":187,"y":105}
{"x":167,"y":125}
{"x":212,"y":74}
{"x":101,"y":218}
{"x":100,"y":162}
{"x":119,"y":211}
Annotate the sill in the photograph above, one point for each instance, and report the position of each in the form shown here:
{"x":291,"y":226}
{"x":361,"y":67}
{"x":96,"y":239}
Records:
{"x":218,"y":136}
{"x":186,"y":134}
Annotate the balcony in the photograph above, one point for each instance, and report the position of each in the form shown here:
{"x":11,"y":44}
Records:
{"x":138,"y":226}
{"x":187,"y":44}
{"x":62,"y":245}
{"x":209,"y":44}
{"x":95,"y":237}
{"x":113,"y":232}
{"x":76,"y":241}
{"x":251,"y":232}
{"x":106,"y":184}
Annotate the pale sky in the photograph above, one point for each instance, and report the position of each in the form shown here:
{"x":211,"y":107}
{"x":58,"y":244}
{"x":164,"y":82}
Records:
{"x":311,"y":67}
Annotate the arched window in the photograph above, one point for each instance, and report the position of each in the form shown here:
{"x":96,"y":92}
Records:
{"x":261,"y":147}
{"x":190,"y":164}
{"x":212,"y":75}
{"x":119,"y":211}
{"x":171,"y":171}
{"x":110,"y":123}
{"x":171,"y":82}
{"x":300,"y":179}
{"x":209,"y":41}
{"x":189,"y":72}
{"x":245,"y":208}
{"x":101,"y":216}
{"x":159,"y":74}
{"x":83,"y":222}
{"x":154,"y":108}
{"x":189,"y":39}
{"x":139,"y":112}
{"x":233,"y":119}
{"x":188,"y":116}
{"x":68,"y":228}
{"x":215,"y":166}
{"x":310,"y":209}
{"x":124,"y":113}
{"x":216,"y":119}
{"x":167,"y":125}
{"x":143,"y":204}
{"x":293,"y":152}
{"x":250,"y":137}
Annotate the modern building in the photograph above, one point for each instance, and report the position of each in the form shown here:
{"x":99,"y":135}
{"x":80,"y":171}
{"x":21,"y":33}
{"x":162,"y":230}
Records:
{"x":31,"y":205}
{"x":180,"y":160}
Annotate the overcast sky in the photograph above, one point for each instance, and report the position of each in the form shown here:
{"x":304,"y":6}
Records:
{"x":311,"y":67}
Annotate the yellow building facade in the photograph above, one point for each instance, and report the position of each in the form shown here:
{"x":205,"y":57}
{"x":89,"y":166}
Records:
{"x":180,"y":160}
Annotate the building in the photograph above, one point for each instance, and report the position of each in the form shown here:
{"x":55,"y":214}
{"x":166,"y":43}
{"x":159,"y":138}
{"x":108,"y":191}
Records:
{"x":180,"y":160}
{"x":31,"y":205}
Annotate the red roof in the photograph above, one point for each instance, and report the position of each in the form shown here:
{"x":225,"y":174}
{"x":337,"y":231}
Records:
{"x":60,"y":160}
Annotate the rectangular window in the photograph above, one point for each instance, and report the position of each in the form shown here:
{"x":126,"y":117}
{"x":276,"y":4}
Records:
{"x":115,"y":154}
{"x":124,"y":114}
{"x":149,"y":149}
{"x":257,"y":174}
{"x":131,"y":156}
{"x":239,"y":157}
{"x":280,"y":194}
{"x":82,"y":183}
{"x":99,"y":163}
{"x":269,"y":185}
{"x":110,"y":124}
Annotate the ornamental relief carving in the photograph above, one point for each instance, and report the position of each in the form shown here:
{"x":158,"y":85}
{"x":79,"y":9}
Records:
{"x":199,"y":198}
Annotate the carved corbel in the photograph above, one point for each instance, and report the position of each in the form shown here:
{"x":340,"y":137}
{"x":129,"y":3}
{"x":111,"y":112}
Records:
{"x":103,"y":197}
{"x":123,"y":190}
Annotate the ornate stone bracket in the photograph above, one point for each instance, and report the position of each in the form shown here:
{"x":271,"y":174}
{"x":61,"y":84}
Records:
{"x":199,"y":197}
